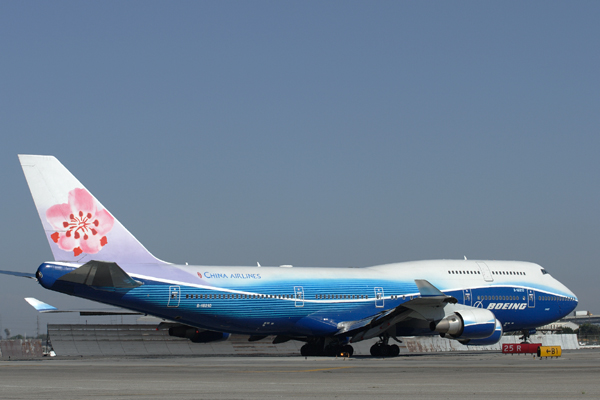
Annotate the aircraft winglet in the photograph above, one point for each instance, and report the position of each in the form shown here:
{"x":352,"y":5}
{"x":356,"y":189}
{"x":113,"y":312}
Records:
{"x":430,"y":292}
{"x":427,"y":289}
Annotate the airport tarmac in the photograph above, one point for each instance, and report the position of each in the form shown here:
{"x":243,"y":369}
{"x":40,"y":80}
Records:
{"x":428,"y":376}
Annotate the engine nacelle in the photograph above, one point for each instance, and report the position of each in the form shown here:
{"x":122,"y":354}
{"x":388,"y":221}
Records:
{"x":476,"y":323}
{"x":493,"y":339}
{"x":197,"y":335}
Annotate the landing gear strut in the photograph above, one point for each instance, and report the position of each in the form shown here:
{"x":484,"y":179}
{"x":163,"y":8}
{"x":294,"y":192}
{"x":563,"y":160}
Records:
{"x":526,"y":333}
{"x":339,"y":350}
{"x":383,"y":349}
{"x":310,"y":349}
{"x":318,"y":348}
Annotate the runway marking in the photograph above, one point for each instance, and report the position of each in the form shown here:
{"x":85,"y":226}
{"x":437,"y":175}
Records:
{"x":299,"y":370}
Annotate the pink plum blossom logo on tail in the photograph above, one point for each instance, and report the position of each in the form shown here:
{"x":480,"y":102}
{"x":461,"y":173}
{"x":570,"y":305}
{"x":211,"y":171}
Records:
{"x":80,"y":226}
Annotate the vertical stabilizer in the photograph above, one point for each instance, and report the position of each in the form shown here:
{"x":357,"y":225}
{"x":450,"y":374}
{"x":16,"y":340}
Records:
{"x":78,"y":228}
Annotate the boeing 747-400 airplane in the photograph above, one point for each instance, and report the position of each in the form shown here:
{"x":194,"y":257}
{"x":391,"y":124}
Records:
{"x":96,"y":258}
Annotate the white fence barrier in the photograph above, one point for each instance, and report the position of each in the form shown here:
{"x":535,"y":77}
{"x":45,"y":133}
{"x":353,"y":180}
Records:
{"x":115,"y":340}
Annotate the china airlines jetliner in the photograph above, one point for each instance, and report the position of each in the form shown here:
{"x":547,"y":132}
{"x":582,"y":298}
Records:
{"x":96,"y":258}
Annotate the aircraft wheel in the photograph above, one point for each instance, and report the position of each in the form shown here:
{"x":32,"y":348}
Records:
{"x":384,"y":350}
{"x":306,"y":350}
{"x":348,"y":349}
{"x":310,"y":350}
{"x":377,"y":350}
{"x":330,"y":351}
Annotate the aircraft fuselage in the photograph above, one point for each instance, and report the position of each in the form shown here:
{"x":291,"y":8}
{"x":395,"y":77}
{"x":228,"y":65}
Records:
{"x":314,"y":301}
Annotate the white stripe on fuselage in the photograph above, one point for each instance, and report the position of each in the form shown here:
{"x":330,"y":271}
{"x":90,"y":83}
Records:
{"x":435,"y":271}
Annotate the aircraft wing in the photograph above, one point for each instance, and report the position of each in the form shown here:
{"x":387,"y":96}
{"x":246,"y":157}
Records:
{"x":374,"y":325}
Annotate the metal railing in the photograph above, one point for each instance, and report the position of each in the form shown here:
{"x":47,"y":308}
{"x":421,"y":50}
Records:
{"x":589,"y":340}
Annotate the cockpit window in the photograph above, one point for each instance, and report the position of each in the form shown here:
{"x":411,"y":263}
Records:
{"x":544,"y":272}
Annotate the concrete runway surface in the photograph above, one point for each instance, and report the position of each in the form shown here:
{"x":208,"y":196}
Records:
{"x":576,"y":375}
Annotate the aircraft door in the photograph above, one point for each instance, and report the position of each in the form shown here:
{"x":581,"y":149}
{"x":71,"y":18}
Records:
{"x":485,"y":272}
{"x":174,"y":296}
{"x":378,"y":297}
{"x":299,"y":296}
{"x":467,"y":298}
{"x":530,"y":298}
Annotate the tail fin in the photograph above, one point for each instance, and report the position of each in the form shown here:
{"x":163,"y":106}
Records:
{"x":78,"y":228}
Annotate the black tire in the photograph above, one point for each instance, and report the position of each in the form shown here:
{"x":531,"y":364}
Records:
{"x":394,"y":350}
{"x":376,"y":350}
{"x":310,"y":350}
{"x":306,"y":350}
{"x":348,"y":349}
{"x":384,"y":350}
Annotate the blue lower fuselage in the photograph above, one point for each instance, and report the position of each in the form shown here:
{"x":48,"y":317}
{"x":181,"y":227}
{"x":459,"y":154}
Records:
{"x":313,"y":301}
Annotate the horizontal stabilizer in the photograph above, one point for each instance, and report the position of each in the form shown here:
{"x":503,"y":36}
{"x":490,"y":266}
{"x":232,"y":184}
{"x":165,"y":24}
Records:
{"x":101,"y":274}
{"x":99,"y":313}
{"x":47,"y":308}
{"x":40,"y":305}
{"x":20,"y":274}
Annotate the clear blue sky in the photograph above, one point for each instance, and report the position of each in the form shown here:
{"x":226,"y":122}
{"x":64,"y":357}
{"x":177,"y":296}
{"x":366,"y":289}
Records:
{"x":309,"y":133}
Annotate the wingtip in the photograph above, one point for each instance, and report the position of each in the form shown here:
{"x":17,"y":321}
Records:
{"x":427,"y":289}
{"x":40,"y":306}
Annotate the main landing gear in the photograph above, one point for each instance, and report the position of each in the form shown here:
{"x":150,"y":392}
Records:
{"x":324,"y":347}
{"x":383,"y":349}
{"x":333,"y":349}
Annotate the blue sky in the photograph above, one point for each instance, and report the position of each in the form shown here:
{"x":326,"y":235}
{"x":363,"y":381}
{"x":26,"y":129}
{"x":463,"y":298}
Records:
{"x":309,"y":133}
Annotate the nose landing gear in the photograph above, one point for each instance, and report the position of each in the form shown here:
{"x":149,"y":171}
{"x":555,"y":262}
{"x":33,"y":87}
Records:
{"x":526,"y":334}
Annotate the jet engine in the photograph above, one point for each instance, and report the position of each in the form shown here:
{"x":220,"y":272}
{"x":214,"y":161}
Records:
{"x":476,"y":323}
{"x":493,"y":339}
{"x":197,"y":335}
